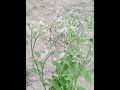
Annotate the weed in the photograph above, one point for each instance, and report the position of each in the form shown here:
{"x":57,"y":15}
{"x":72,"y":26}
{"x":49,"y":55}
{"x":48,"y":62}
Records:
{"x":68,"y":69}
{"x":72,"y":60}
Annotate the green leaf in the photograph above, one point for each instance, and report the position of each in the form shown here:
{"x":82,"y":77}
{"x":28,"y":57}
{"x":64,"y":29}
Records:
{"x":86,"y":75}
{"x":39,"y":63}
{"x":55,"y":63}
{"x":89,"y":22}
{"x":68,"y":85}
{"x":64,"y":67}
{"x":81,"y":88}
{"x":58,"y":66}
{"x":56,"y":84}
{"x":54,"y":77}
{"x":34,"y":70}
{"x":37,"y":54}
{"x":67,"y":77}
{"x":52,"y":88}
{"x":76,"y":69}
{"x":88,"y":78}
{"x":63,"y":88}
{"x":62,"y":81}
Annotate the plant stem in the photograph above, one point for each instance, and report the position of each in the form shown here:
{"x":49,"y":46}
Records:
{"x":43,"y":70}
{"x":39,"y":73}
{"x":32,"y":50}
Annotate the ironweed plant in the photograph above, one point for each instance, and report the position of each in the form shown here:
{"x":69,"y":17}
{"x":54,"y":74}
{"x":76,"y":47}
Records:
{"x":72,"y":59}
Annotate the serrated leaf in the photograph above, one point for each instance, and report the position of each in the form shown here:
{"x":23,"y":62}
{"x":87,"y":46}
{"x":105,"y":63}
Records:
{"x":37,"y":54}
{"x":34,"y":70}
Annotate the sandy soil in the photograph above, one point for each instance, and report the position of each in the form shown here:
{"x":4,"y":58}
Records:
{"x":46,"y":11}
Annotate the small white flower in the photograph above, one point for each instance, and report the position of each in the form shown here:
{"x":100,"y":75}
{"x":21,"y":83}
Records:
{"x":47,"y":34}
{"x":70,"y":21}
{"x":41,"y":23}
{"x":59,"y":19}
{"x":75,"y":26}
{"x":45,"y":30}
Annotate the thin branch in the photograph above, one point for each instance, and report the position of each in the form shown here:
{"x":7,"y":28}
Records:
{"x":44,"y":65}
{"x":32,"y":50}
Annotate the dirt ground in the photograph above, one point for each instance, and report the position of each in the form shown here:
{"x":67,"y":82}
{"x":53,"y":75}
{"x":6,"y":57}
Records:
{"x":46,"y":11}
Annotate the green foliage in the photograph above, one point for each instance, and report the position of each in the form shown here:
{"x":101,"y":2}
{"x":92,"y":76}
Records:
{"x":81,"y":88}
{"x":67,"y":69}
{"x":86,"y":75}
{"x":40,"y":63}
{"x":89,"y":22}
{"x":72,"y":62}
{"x":37,"y":54}
{"x":34,"y":70}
